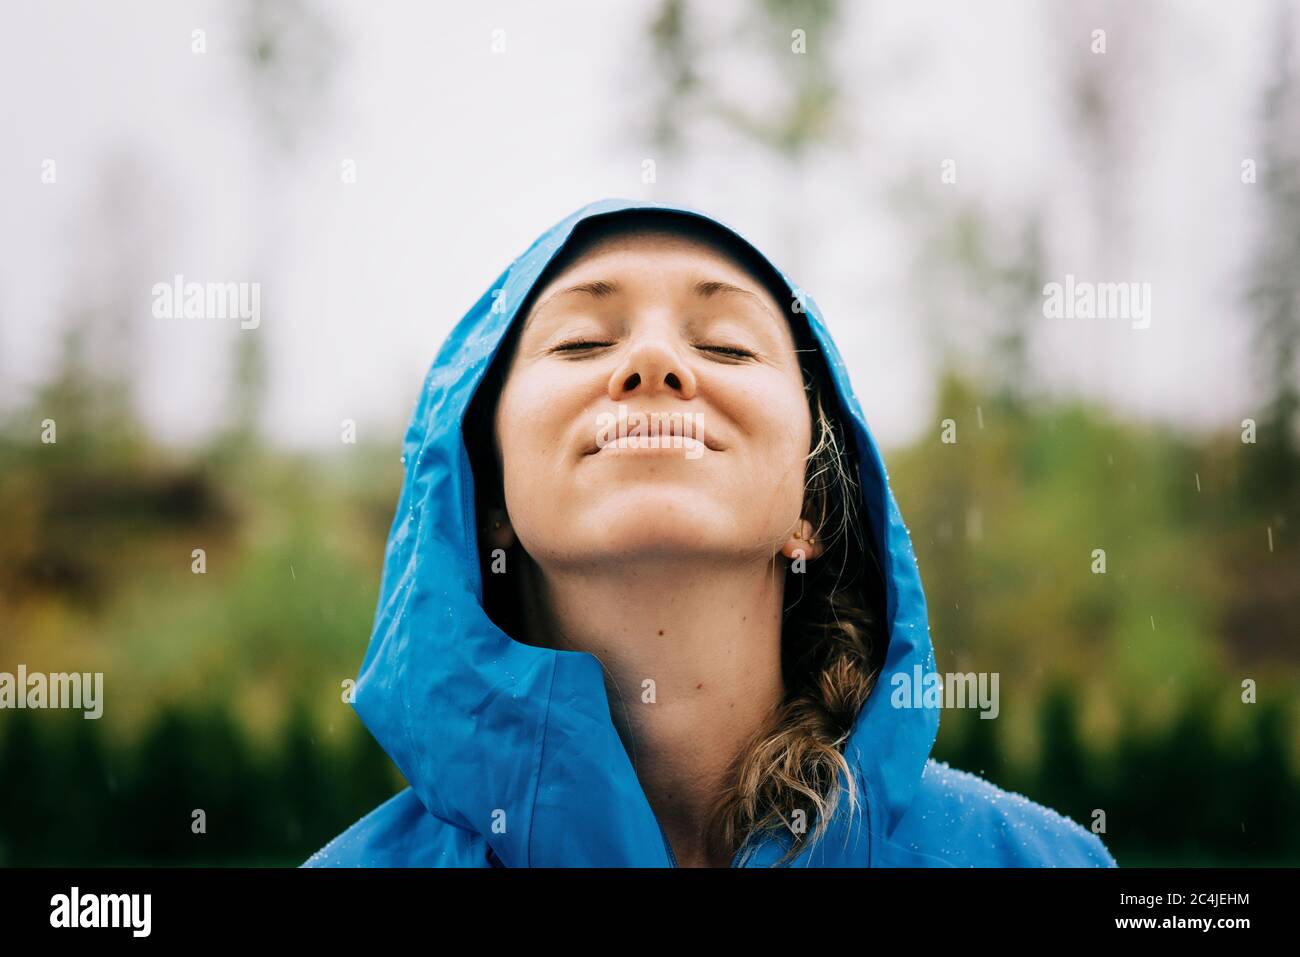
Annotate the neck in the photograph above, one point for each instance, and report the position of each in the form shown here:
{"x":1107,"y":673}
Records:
{"x":708,"y":637}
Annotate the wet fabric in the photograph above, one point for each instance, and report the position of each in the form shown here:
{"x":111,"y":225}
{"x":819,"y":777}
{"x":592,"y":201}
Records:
{"x":510,"y":751}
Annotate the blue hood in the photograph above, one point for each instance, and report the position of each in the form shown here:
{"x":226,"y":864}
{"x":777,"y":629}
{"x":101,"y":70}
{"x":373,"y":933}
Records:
{"x":513,"y":745}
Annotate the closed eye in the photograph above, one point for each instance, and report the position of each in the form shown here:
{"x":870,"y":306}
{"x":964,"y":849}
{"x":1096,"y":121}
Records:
{"x":732,"y":351}
{"x":579,"y":345}
{"x":583,"y":345}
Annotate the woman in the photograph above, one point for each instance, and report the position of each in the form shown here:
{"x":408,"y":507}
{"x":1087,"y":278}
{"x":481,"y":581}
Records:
{"x":647,"y":587}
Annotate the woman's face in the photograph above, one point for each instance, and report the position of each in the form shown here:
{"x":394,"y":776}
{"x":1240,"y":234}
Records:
{"x":658,"y":324}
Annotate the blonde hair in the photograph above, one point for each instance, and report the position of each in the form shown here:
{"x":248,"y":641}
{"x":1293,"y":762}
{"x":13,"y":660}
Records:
{"x":789,"y":773}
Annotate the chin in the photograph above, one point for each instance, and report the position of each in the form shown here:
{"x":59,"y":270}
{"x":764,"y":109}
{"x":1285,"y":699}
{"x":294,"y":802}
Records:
{"x":672,"y":532}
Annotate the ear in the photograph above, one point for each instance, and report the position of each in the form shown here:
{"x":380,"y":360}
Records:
{"x":498,"y":533}
{"x":803,"y":541}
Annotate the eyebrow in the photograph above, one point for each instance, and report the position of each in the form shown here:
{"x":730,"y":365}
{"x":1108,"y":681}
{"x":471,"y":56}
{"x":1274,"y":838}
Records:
{"x":603,"y":289}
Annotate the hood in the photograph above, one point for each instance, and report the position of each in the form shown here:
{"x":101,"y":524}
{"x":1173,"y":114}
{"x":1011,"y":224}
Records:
{"x":515,"y":742}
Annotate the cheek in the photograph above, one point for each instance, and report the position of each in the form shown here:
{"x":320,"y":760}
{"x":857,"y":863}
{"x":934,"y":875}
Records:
{"x":777,"y":418}
{"x":533,"y":423}
{"x":769,"y":479}
{"x":537,"y":414}
{"x":790,"y":456}
{"x":512,"y":441}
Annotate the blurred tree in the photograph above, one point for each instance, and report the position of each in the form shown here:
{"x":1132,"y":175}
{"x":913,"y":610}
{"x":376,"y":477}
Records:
{"x":1273,"y":470}
{"x":797,"y":110}
{"x":797,"y":114}
{"x":979,"y":279}
{"x":291,"y":57}
{"x":1101,"y":49}
{"x":1061,"y":766}
{"x":90,"y":390}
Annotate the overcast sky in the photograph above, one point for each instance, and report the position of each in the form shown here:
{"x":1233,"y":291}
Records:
{"x":463,"y":155}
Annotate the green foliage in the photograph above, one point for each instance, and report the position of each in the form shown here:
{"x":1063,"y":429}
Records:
{"x":223,"y":690}
{"x":1181,"y":795}
{"x":73,"y":798}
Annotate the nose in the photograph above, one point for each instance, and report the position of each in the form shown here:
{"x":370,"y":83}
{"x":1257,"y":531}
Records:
{"x":653,"y":365}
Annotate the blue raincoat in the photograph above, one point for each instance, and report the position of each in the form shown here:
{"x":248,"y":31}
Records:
{"x":510,"y":750}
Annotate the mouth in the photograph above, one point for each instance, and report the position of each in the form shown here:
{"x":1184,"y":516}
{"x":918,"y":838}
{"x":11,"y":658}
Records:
{"x":672,"y":434}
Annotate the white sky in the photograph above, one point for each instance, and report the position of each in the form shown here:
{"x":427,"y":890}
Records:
{"x":464,"y":156}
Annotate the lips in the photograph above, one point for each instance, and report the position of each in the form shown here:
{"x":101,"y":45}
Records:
{"x":670,"y":429}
